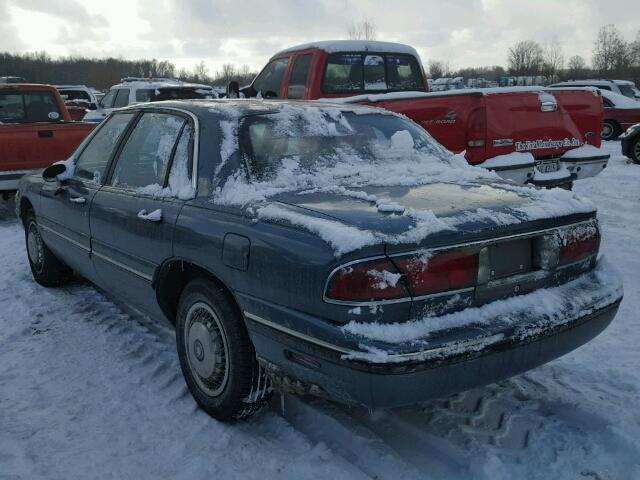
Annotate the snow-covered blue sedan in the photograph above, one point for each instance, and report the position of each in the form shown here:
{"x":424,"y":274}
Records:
{"x":316,"y":248}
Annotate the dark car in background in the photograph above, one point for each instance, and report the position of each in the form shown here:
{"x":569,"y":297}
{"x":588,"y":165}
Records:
{"x":316,"y":248}
{"x":630,"y":141}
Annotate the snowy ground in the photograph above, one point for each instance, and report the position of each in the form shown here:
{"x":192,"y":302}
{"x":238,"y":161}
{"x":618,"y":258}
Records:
{"x":89,"y":391}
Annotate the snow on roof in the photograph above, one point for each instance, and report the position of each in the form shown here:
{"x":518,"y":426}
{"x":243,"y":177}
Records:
{"x":331,"y":46}
{"x":620,"y":101}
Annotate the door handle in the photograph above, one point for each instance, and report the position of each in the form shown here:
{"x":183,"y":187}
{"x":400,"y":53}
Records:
{"x":45,"y":133}
{"x":79,"y":200}
{"x":154,"y":216}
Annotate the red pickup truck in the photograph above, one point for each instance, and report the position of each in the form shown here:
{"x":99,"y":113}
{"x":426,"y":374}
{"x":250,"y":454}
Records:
{"x":35,"y":131}
{"x":524,"y":134}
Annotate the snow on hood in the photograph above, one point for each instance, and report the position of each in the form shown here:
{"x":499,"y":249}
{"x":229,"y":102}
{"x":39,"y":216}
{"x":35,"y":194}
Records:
{"x":620,"y":101}
{"x":398,"y":162}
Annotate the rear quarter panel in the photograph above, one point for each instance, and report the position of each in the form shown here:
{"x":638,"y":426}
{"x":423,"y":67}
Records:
{"x":586,"y":112}
{"x":625,"y":117}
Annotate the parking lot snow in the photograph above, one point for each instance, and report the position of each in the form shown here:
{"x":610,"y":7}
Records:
{"x":88,"y":390}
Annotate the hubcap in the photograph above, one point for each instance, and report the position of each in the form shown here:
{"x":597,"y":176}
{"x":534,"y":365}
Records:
{"x":636,"y":151}
{"x":607,"y":131}
{"x":206,"y":346}
{"x":34,"y":247}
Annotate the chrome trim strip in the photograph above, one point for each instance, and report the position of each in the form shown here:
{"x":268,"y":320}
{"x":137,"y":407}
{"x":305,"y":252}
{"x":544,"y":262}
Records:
{"x":358,"y":355}
{"x":299,"y":335}
{"x":122,"y":265}
{"x":70,"y":240}
{"x":454,"y":246}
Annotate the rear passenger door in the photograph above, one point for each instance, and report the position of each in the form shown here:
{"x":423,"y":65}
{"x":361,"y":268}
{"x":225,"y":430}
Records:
{"x":133,"y":215}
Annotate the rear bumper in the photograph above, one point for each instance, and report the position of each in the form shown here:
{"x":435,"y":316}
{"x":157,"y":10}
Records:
{"x":570,"y":169}
{"x":9,"y":179}
{"x":362,"y":373}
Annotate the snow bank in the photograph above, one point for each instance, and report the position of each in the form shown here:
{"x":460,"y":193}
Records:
{"x":548,"y":307}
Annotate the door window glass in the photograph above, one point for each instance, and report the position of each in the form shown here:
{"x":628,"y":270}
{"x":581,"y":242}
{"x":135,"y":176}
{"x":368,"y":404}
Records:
{"x":403,"y":73}
{"x":182,"y":167}
{"x":145,"y":157}
{"x":270,"y":79}
{"x":108,"y":99}
{"x":299,"y":75}
{"x":343,"y":73}
{"x":92,"y":162}
{"x":122,"y":99}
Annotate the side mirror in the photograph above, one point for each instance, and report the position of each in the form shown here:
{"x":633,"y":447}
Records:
{"x":233,"y":90}
{"x":52,"y":171}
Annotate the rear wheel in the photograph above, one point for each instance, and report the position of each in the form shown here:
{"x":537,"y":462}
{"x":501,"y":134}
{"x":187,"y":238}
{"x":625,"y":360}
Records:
{"x":216,"y":355}
{"x":47,"y":270}
{"x":610,"y":130}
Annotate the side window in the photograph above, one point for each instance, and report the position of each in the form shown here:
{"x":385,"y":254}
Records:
{"x":179,"y":182}
{"x":108,"y":99}
{"x":604,"y":87}
{"x":299,"y":75}
{"x":343,"y":73}
{"x":12,"y":108}
{"x":270,"y":79}
{"x":145,"y":94}
{"x":404,"y":73}
{"x":122,"y":99}
{"x":144,"y":159}
{"x":607,"y":103}
{"x":374,"y":77}
{"x":92,"y":162}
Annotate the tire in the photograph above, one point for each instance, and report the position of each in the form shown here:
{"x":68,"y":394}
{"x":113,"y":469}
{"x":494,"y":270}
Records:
{"x":216,"y":355}
{"x":635,"y":150}
{"x":46,"y":268}
{"x":610,"y":130}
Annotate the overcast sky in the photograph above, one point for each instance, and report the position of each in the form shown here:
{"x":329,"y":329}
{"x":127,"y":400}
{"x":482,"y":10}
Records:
{"x":462,"y":32}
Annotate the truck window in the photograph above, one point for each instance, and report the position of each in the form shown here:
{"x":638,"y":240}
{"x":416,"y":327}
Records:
{"x":93,"y":160}
{"x":627,"y":90}
{"x":374,"y":75}
{"x":144,"y":159}
{"x":403,"y":73}
{"x":299,"y":75}
{"x":108,"y":99}
{"x":75,"y":95}
{"x":145,"y":94}
{"x":29,"y":107}
{"x":122,"y":99}
{"x":270,"y":79}
{"x":343,"y":73}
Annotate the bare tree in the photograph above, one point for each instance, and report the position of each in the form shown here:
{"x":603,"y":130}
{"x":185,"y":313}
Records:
{"x":201,"y":73}
{"x":438,"y":69}
{"x":611,"y":52}
{"x":363,"y":30}
{"x":576,"y":67}
{"x":526,"y":58}
{"x":553,"y":59}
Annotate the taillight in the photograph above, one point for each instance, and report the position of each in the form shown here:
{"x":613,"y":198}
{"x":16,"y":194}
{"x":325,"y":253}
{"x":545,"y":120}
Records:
{"x":404,"y":277}
{"x":477,"y":128}
{"x":579,"y":247}
{"x":367,"y":281}
{"x":440,"y":272}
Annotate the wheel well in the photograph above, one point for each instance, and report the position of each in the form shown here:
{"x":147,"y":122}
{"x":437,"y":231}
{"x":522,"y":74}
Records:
{"x":173,"y":277}
{"x":25,"y":206}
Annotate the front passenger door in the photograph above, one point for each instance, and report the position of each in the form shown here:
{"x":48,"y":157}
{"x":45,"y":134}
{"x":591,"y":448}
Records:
{"x":134,"y":213}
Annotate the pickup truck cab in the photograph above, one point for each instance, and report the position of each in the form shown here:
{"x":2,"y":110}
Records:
{"x":525,"y":134}
{"x":35,"y":131}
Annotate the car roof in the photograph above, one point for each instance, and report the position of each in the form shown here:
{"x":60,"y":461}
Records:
{"x":26,"y":87}
{"x":331,"y":46}
{"x":242,"y":107}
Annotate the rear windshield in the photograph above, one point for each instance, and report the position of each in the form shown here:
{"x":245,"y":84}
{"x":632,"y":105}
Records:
{"x":75,"y":95}
{"x":367,"y":72}
{"x":28,"y":107}
{"x":321,"y":140}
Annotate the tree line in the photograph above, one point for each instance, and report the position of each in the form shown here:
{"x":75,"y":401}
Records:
{"x":102,"y":73}
{"x":612,"y":57}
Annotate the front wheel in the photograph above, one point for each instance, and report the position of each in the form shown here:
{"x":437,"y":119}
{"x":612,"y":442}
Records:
{"x":610,"y":130}
{"x":635,"y":150}
{"x":46,"y":268}
{"x":216,"y":354}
